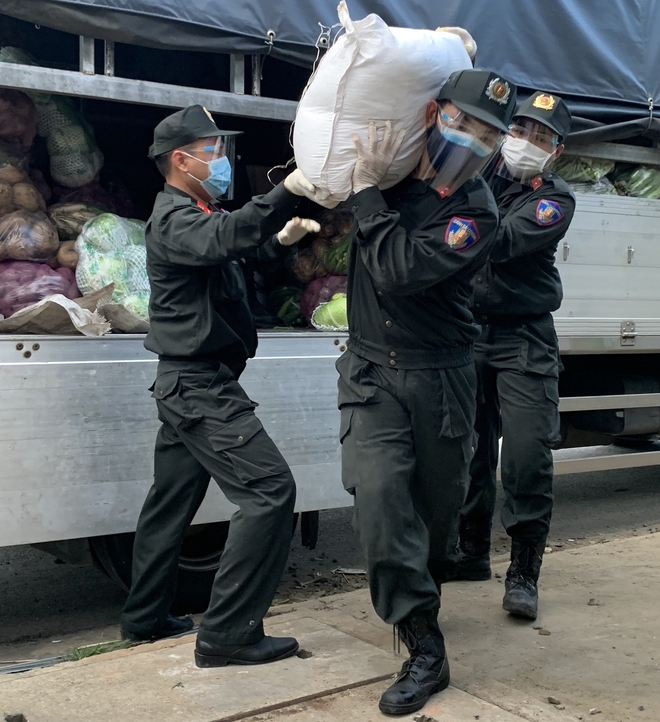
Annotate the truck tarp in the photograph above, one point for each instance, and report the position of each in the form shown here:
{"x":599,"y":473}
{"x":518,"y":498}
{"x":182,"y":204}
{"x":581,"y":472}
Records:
{"x":603,"y":56}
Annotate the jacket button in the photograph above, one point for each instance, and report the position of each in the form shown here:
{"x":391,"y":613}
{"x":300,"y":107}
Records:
{"x":388,"y":323}
{"x":240,"y":439}
{"x":392,"y":354}
{"x":480,"y":279}
{"x":380,"y":293}
{"x":354,"y":209}
{"x":392,"y":362}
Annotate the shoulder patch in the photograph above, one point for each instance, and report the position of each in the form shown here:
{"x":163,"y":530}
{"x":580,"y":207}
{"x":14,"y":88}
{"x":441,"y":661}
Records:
{"x":461,"y":233}
{"x":548,"y":212}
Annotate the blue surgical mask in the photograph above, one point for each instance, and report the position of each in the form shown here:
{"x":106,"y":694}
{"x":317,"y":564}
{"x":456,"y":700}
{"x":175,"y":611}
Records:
{"x":219,"y":179}
{"x":440,"y":148}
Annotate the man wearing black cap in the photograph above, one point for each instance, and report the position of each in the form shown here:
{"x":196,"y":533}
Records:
{"x":518,"y":353}
{"x":407,"y":383}
{"x":203,"y":333}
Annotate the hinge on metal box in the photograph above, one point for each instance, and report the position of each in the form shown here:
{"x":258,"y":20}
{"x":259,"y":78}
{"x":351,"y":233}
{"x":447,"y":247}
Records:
{"x":628,"y":333}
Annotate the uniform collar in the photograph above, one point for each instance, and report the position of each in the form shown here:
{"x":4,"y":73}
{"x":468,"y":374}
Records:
{"x":515,"y":187}
{"x":206,"y":207}
{"x":178,"y":192}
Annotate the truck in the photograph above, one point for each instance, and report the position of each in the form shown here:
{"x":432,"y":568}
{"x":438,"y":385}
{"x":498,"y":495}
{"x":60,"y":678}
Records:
{"x":77,"y":424}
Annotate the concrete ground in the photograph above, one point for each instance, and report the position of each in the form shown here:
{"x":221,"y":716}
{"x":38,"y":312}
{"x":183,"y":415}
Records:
{"x":592,"y":652}
{"x":47,"y":608}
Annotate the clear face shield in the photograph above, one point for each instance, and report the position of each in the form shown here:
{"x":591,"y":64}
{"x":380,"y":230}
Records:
{"x":458,"y":147}
{"x":219,"y":155}
{"x":529,"y":148}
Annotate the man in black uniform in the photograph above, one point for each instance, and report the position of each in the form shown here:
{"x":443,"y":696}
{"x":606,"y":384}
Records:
{"x":203,"y":333}
{"x":518,"y":355}
{"x":407,"y":383}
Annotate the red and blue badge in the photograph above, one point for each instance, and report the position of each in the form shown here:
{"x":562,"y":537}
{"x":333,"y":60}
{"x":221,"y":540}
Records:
{"x":548,"y":212}
{"x":461,"y":233}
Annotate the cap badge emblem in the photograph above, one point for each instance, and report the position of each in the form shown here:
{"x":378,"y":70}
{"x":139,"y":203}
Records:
{"x":498,"y":90}
{"x":544,"y":102}
{"x":207,"y":113}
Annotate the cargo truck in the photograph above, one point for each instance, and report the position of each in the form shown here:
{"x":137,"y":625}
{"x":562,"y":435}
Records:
{"x":77,"y":423}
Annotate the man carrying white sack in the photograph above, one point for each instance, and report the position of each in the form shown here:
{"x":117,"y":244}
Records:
{"x":407,"y":383}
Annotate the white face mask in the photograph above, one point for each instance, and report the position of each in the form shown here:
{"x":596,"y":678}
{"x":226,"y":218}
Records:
{"x":524,"y":159}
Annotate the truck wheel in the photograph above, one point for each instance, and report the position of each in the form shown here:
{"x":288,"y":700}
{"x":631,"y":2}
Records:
{"x":198,"y":563}
{"x":640,"y":442}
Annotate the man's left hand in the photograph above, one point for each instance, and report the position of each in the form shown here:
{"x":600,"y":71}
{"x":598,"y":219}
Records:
{"x":296,"y":229}
{"x":375,"y":160}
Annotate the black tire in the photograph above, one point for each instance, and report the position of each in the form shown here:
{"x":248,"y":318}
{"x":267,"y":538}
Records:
{"x":198,"y":563}
{"x":646,"y":441}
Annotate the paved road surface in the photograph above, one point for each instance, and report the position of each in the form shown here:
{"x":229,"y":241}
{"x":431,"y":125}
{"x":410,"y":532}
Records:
{"x":42,"y":600}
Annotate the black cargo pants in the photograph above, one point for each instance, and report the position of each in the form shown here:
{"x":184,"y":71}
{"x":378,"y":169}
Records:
{"x":407,"y":442}
{"x":209,"y":429}
{"x":517,"y":399}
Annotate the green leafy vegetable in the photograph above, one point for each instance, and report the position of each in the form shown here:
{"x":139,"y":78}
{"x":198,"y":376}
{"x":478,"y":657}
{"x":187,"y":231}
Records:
{"x":333,"y":315}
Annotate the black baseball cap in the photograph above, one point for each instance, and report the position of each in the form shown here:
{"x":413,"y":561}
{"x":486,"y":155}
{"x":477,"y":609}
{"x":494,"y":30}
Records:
{"x":184,"y":127}
{"x":482,"y":94}
{"x":548,"y":109}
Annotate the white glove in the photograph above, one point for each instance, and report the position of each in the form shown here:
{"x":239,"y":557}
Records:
{"x":468,"y":41}
{"x":297,"y":184}
{"x":296,"y":229}
{"x":374,"y":162}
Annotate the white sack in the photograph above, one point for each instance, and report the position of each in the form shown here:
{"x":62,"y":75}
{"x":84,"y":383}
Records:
{"x":372,"y":72}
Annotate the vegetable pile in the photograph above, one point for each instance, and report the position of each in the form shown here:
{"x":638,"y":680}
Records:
{"x":75,"y":159}
{"x":111,"y":250}
{"x":18,"y":119}
{"x":27,"y":236}
{"x":641,"y":182}
{"x":17,"y":192}
{"x":69,"y":218}
{"x":23,"y":283}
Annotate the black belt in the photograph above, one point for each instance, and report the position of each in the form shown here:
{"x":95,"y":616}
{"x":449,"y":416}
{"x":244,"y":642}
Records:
{"x":192,"y":362}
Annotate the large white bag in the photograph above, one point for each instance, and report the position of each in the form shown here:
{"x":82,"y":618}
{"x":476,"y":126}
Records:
{"x":372,"y":72}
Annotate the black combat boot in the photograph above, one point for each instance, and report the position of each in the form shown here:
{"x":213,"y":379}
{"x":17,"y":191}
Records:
{"x":473,"y":557}
{"x":522,"y":597}
{"x":427,"y":670}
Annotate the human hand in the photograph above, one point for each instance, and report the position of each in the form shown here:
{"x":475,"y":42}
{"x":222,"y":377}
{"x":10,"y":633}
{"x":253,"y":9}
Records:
{"x":296,"y":229}
{"x":375,"y":160}
{"x":297,"y":184}
{"x":468,"y":41}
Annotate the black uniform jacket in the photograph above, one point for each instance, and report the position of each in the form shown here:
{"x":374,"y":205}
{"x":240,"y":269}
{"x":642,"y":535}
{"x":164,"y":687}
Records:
{"x":198,"y":309}
{"x":410,"y":269}
{"x":520,"y":278}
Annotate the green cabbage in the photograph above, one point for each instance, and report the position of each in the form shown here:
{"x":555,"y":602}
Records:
{"x":333,"y":315}
{"x":112,"y":250}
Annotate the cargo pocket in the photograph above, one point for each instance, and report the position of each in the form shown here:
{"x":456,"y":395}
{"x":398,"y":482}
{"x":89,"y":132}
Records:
{"x":469,"y":446}
{"x":172,"y":408}
{"x":551,"y":388}
{"x":248,"y":447}
{"x":349,"y":452}
{"x":345,"y":422}
{"x":164,"y":385}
